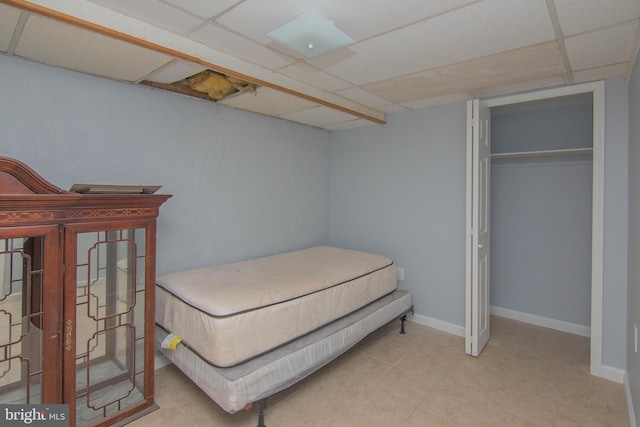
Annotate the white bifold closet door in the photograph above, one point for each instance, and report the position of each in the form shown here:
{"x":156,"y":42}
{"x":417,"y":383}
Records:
{"x":477,"y":237}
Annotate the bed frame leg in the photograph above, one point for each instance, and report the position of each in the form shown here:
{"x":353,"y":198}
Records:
{"x":263,"y":406}
{"x":402,"y":320}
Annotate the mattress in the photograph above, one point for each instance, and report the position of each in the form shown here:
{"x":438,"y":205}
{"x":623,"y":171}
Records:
{"x":231,"y":313}
{"x":233,"y":388}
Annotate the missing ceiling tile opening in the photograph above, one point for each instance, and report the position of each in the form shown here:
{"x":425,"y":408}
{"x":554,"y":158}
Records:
{"x":219,"y":86}
{"x":207,"y":84}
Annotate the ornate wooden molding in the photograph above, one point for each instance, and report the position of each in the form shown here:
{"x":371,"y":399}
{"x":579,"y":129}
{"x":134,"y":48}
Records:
{"x":31,"y":181}
{"x":10,"y":218}
{"x":112,"y":213}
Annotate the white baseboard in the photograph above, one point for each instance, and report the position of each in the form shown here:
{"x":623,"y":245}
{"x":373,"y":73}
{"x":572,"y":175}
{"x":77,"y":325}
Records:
{"x":545,"y":322}
{"x":612,"y":374}
{"x":627,"y":392}
{"x":437,"y":324}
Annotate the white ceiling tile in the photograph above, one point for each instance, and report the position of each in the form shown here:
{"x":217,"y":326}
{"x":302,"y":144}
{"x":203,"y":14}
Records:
{"x":361,"y":21}
{"x":518,"y":65}
{"x":268,"y":101}
{"x":437,"y":100}
{"x":66,"y":46}
{"x":174,"y":71}
{"x":255,"y":20}
{"x":600,"y":73}
{"x":154,"y":12}
{"x":351,"y":124}
{"x":204,"y":9}
{"x":308,"y":74}
{"x":519,"y":87}
{"x":577,"y":16}
{"x":332,"y":58}
{"x":480,"y":29}
{"x":599,"y":48}
{"x":318,"y":116}
{"x":392,"y":108}
{"x":357,"y":18}
{"x":220,"y":39}
{"x":363,"y":97}
{"x":8,"y":21}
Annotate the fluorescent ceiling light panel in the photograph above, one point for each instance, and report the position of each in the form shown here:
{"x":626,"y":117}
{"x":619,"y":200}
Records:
{"x":311,"y":35}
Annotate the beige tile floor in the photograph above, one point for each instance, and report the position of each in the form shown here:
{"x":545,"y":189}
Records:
{"x":526,"y":376}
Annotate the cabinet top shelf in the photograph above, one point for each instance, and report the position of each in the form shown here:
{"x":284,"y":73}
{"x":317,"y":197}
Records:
{"x":543,"y":153}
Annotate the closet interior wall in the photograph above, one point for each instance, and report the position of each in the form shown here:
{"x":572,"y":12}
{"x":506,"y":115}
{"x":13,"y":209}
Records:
{"x":541,"y":210}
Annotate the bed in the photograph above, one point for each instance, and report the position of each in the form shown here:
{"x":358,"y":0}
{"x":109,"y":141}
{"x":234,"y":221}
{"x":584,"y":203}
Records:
{"x":246,"y":330}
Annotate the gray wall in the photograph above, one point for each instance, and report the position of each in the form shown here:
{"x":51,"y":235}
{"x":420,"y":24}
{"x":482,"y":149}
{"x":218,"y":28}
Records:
{"x":244,"y":185}
{"x":541,"y":238}
{"x":633,"y":292}
{"x":549,"y":124}
{"x":541,"y":210}
{"x":399,"y":189}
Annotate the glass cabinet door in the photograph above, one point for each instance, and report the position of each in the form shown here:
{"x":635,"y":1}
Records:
{"x":109,"y":330}
{"x":30,"y":298}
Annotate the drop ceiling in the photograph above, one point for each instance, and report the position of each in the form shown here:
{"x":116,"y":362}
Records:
{"x":407,"y":55}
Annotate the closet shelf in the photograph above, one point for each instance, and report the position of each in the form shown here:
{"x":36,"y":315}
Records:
{"x":543,"y":153}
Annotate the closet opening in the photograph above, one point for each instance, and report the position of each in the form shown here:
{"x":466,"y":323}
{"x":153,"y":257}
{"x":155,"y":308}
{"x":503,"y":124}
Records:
{"x":545,"y":211}
{"x":541,"y":217}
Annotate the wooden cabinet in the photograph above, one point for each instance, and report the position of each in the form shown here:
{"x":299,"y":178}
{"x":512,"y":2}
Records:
{"x":77,"y":276}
